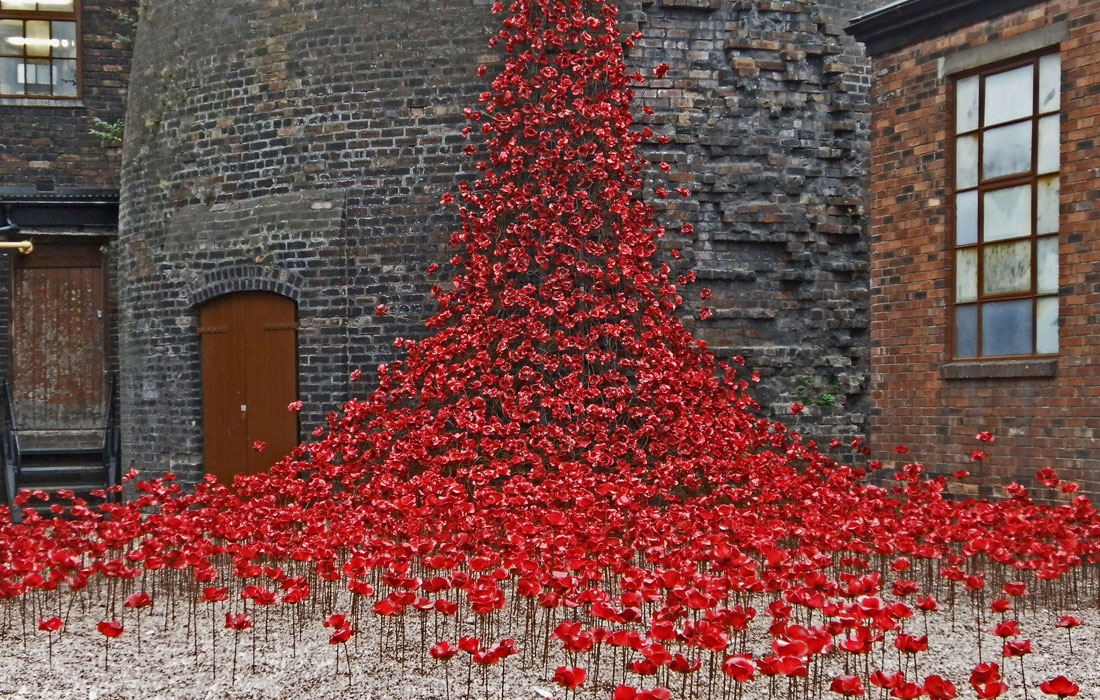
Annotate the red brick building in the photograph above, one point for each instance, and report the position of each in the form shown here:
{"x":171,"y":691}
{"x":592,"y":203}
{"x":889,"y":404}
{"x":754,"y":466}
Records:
{"x":985,"y":286}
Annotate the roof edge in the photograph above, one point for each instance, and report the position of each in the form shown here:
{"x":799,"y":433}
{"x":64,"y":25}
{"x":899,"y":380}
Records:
{"x":908,"y":22}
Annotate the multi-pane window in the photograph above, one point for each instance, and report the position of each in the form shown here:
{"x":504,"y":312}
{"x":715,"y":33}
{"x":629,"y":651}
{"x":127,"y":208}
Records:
{"x":1006,"y":209}
{"x":38,"y":48}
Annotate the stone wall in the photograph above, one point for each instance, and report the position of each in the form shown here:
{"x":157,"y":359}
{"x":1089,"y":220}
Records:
{"x":307,"y":144}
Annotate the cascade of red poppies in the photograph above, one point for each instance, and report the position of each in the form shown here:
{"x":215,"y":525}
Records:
{"x":556,"y":359}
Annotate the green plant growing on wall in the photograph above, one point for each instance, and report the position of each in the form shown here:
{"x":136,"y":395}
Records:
{"x":814,"y":392}
{"x":110,"y":133}
{"x":129,"y":24}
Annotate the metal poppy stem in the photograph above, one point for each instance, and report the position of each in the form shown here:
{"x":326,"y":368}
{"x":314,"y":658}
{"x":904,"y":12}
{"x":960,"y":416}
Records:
{"x":1023,"y":677}
{"x":213,"y":643}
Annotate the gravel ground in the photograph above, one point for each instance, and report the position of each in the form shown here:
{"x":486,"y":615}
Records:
{"x":167,"y":667}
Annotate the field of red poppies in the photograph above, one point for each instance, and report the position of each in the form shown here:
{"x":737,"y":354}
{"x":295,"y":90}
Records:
{"x":559,"y":488}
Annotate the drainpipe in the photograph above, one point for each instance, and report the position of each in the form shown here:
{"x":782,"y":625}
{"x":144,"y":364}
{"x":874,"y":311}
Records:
{"x":9,"y":225}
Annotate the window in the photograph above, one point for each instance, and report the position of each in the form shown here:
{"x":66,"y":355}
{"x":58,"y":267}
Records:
{"x":38,"y":48}
{"x":1007,"y":158}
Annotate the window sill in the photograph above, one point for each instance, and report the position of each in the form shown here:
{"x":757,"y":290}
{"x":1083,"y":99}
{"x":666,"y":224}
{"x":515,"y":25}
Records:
{"x":39,"y":102}
{"x":999,"y":369}
{"x":692,"y":4}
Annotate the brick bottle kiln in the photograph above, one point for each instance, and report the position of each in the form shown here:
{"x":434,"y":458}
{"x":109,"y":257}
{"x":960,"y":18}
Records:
{"x":284,"y":161}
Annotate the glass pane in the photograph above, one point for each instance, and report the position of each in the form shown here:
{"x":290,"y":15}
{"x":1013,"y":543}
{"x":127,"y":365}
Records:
{"x":966,"y":331}
{"x":37,"y":77}
{"x":1006,"y":150}
{"x":1006,"y":327}
{"x":1009,"y":95}
{"x":1049,"y":144}
{"x":40,"y":5}
{"x":1046,"y":208}
{"x":1050,"y":82}
{"x":1046,"y":325}
{"x":966,"y":104}
{"x":10,"y":83}
{"x":64,"y":78}
{"x":11,"y":37}
{"x":966,"y":274}
{"x":38,"y":38}
{"x":966,"y":162}
{"x":966,"y":218}
{"x":1007,"y":213}
{"x":1006,"y":267}
{"x":64,"y":39}
{"x":1046,"y":277}
{"x":55,"y":5}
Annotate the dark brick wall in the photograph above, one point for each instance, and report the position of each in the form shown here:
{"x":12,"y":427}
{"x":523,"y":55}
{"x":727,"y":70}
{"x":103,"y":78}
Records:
{"x":306,"y":144}
{"x":919,"y":396}
{"x":312,"y":148}
{"x":767,"y":107}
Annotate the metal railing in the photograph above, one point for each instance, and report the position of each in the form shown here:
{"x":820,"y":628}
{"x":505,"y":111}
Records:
{"x":112,"y":439}
{"x":11,"y":452}
{"x":11,"y":456}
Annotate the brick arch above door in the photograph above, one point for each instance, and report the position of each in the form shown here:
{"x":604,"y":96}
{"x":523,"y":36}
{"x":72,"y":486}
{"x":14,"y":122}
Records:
{"x":244,"y":277}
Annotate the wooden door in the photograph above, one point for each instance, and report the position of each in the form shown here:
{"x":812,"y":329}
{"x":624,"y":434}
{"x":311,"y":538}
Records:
{"x":58,"y":339}
{"x":249,"y":375}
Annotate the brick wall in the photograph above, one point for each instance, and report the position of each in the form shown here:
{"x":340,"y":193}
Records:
{"x":49,"y":147}
{"x":1038,"y":421}
{"x":767,"y":107}
{"x":307,"y":144}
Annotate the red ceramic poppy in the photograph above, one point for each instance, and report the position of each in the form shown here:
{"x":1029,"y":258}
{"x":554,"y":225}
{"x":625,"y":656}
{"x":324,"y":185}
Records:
{"x":137,"y":600}
{"x":569,"y":676}
{"x":906,"y":691}
{"x":939,"y":688}
{"x":993,"y":689}
{"x":848,"y":686}
{"x":443,"y":651}
{"x":1060,"y":686}
{"x":1017,"y":648}
{"x":212,"y":594}
{"x":888,"y":681}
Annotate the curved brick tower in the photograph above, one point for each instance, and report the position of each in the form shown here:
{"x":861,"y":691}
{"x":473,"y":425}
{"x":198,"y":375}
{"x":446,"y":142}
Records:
{"x":291,"y":153}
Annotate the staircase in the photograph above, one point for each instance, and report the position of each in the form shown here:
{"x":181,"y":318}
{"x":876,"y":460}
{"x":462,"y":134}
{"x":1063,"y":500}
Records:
{"x":80,"y":461}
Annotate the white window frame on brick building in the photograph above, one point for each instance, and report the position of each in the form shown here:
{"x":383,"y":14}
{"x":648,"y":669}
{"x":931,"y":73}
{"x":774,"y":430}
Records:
{"x":40,"y":49}
{"x":1006,"y":157}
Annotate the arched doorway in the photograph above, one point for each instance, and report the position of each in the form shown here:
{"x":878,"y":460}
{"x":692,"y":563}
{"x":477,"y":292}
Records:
{"x":249,"y":375}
